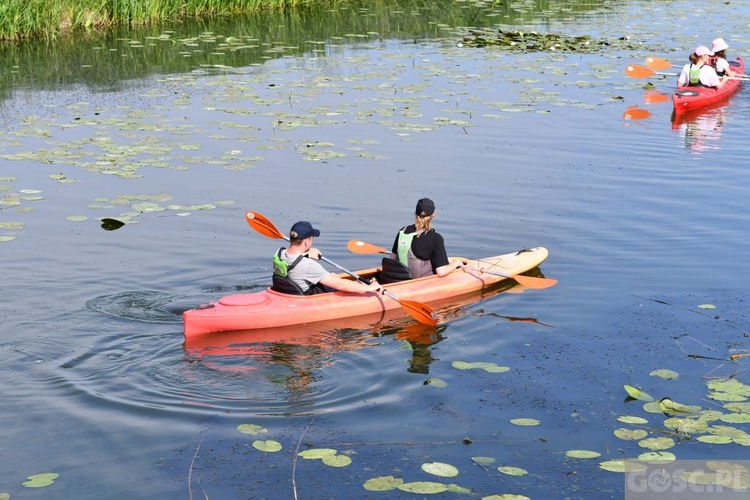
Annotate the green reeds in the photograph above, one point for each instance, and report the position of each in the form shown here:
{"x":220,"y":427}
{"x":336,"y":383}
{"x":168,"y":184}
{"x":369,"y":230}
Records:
{"x":49,"y":19}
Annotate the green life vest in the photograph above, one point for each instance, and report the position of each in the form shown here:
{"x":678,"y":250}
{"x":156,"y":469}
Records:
{"x":695,"y":75}
{"x":280,"y":266}
{"x":404,"y":245}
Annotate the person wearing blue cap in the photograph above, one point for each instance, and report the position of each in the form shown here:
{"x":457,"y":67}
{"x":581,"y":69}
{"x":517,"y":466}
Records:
{"x":422,"y":249}
{"x":299,"y":264}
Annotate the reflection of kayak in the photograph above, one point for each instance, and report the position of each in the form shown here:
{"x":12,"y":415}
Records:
{"x":271,"y":309}
{"x":687,"y":98}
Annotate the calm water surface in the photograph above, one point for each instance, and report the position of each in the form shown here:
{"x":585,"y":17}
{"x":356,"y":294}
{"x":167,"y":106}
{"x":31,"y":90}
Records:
{"x":644,"y":223}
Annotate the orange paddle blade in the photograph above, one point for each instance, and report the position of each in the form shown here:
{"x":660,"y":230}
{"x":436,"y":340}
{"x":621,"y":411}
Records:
{"x":356,"y":246}
{"x":527,"y":281}
{"x":635,"y":71}
{"x":636,"y":113}
{"x":657,"y":63}
{"x":419,"y":311}
{"x":533,"y":281}
{"x":263,"y":225}
{"x":655,"y":97}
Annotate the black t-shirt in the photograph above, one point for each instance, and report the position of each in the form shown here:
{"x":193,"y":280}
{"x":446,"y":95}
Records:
{"x":427,"y":246}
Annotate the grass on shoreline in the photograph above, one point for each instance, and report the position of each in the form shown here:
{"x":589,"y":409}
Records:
{"x":49,"y":19}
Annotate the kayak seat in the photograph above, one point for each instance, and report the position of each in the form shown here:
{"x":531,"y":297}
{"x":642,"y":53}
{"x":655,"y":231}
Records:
{"x":393,"y":271}
{"x":285,"y":285}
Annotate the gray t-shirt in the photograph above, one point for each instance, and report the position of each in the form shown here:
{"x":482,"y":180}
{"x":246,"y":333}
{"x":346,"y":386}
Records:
{"x":306,"y":273}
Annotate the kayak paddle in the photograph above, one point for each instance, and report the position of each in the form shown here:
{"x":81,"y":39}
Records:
{"x":363,"y":247}
{"x":419,"y":311}
{"x":657,"y":63}
{"x":635,"y":71}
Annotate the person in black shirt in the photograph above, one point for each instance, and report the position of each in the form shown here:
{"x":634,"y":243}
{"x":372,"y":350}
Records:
{"x":422,"y":249}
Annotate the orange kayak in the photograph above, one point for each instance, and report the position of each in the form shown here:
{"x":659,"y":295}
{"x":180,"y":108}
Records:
{"x":271,"y":309}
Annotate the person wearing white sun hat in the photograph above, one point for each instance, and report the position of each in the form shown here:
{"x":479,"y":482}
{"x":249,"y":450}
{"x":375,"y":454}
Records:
{"x":700,"y":73}
{"x":719,"y":61}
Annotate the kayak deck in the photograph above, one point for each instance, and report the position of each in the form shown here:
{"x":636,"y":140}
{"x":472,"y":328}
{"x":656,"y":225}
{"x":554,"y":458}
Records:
{"x":271,"y":309}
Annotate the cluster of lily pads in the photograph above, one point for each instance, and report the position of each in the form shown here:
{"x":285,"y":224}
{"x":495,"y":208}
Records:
{"x":683,"y":422}
{"x":532,"y":41}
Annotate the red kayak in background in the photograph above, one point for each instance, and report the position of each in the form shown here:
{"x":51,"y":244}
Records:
{"x":689,"y":98}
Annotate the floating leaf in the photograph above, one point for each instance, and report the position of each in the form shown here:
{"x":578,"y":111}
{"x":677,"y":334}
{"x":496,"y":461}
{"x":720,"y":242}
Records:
{"x":423,"y":487}
{"x":512,"y":471}
{"x":3,"y":239}
{"x":665,"y":374}
{"x":269,"y":446}
{"x":440,"y":469}
{"x":527,"y":422}
{"x":736,"y":418}
{"x":712,"y":439}
{"x":506,"y":496}
{"x":660,"y":443}
{"x":41,"y":480}
{"x":628,"y":419}
{"x":383,"y":483}
{"x":337,"y":460}
{"x":251,"y":429}
{"x":317,"y":453}
{"x":652,"y":407}
{"x":484,"y":460}
{"x":636,"y":393}
{"x":622,"y":465}
{"x":630,"y":434}
{"x":707,"y":306}
{"x":454,"y":488}
{"x":666,"y":405}
{"x":657,"y":457}
{"x":76,"y":218}
{"x":582,"y":454}
{"x":435,"y":382}
{"x":109,"y":224}
{"x":4,"y":496}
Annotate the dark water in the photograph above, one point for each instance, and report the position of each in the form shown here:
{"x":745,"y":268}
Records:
{"x":644,"y":223}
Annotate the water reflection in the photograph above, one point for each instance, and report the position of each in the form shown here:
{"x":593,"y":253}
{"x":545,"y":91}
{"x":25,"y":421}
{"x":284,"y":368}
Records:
{"x":701,"y":130}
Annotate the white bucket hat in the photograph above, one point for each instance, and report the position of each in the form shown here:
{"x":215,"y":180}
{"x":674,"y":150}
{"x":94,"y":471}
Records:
{"x":703,"y":51}
{"x":719,"y":44}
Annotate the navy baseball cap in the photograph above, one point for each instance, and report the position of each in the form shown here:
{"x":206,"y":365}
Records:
{"x":303,"y":229}
{"x":425,"y":207}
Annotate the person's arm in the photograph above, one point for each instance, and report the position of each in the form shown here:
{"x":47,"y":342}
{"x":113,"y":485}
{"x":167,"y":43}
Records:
{"x":346,"y":285}
{"x":449,"y":268}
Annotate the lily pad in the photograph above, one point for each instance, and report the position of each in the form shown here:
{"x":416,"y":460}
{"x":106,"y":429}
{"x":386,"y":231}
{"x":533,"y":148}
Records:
{"x":317,"y":453}
{"x":383,"y":483}
{"x":251,"y":429}
{"x":337,"y":460}
{"x":423,"y":487}
{"x":622,"y":465}
{"x":665,"y":374}
{"x":440,"y":469}
{"x":637,"y":393}
{"x":657,"y":457}
{"x":525,"y":422}
{"x":628,"y":419}
{"x":713,"y":439}
{"x":269,"y":446}
{"x":582,"y":454}
{"x":506,"y":496}
{"x":484,"y":460}
{"x":41,"y":480}
{"x":512,"y":471}
{"x":736,"y":418}
{"x":630,"y":434}
{"x":706,"y":306}
{"x":660,"y":443}
{"x":436,"y":382}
